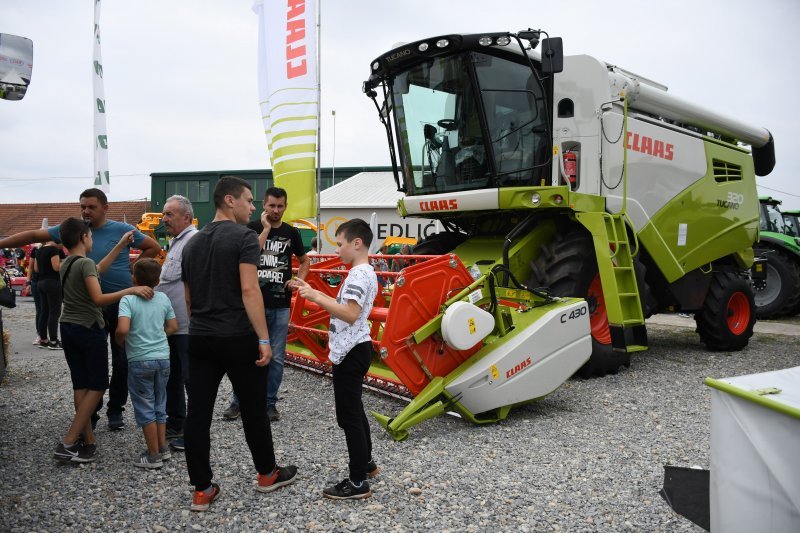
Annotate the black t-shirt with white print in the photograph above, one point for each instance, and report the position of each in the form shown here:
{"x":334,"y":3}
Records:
{"x":275,"y":264}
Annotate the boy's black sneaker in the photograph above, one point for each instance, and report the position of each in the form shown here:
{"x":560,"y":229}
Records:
{"x":372,"y":469}
{"x":55,"y":345}
{"x":66,"y":452}
{"x":86,"y":453}
{"x":177,"y":444}
{"x":346,"y":490}
{"x":280,"y":477}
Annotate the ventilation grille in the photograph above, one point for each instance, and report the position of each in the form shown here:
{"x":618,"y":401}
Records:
{"x":724,"y":171}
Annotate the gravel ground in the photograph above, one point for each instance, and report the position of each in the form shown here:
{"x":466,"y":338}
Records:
{"x":587,"y":458}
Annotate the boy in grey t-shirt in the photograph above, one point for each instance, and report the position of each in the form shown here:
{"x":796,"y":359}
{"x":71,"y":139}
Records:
{"x":351,"y":353}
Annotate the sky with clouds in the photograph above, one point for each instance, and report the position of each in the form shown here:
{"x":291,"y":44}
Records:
{"x":181,"y":90}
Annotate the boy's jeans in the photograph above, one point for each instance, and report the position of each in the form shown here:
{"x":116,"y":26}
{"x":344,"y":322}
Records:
{"x":147,"y":384}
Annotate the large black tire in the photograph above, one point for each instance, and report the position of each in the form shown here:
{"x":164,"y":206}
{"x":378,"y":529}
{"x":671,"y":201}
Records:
{"x":439,"y":243}
{"x":780,"y":293}
{"x":725,"y":323}
{"x":567,"y":266}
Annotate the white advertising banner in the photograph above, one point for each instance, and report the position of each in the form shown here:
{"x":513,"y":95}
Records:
{"x":101,"y":180}
{"x":387,"y":224}
{"x":288,"y":84}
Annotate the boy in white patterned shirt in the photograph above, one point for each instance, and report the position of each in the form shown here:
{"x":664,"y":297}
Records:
{"x":351,"y":353}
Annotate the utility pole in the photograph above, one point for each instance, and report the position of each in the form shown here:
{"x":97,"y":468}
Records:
{"x":333,"y":163}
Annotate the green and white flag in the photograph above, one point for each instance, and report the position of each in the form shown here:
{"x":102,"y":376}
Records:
{"x":288,"y":83}
{"x":100,"y":138}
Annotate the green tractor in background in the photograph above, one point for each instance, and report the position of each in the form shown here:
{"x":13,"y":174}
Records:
{"x":791,"y":222}
{"x":779,"y":293}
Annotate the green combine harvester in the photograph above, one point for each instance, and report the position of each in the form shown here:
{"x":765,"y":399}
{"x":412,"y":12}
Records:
{"x":577,"y":199}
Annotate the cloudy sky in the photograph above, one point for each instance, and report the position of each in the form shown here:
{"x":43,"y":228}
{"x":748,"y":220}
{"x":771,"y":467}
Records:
{"x":181,"y":91}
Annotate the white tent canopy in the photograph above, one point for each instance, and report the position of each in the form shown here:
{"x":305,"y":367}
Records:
{"x":755,"y":452}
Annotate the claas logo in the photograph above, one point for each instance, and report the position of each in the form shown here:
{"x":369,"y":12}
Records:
{"x":521,"y":366}
{"x":650,"y":146}
{"x":438,"y":205}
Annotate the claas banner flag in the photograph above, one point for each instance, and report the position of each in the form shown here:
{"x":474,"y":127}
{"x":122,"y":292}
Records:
{"x":101,"y":180}
{"x":289,"y":97}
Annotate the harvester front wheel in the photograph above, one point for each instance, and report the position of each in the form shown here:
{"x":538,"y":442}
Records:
{"x":567,"y":267}
{"x":726,"y":321}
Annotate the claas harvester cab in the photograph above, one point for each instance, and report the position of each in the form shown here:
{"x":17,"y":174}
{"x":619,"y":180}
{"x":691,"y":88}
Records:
{"x":577,"y":198}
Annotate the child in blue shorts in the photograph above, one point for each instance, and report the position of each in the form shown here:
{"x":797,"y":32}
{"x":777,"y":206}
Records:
{"x":142,"y":328}
{"x":82,"y":333}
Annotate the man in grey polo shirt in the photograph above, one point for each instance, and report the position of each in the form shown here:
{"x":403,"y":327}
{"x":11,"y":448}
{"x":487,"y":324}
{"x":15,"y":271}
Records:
{"x":177,"y":219}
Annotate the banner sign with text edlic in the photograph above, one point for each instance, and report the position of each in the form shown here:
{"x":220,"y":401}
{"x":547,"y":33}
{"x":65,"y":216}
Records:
{"x":289,"y":97}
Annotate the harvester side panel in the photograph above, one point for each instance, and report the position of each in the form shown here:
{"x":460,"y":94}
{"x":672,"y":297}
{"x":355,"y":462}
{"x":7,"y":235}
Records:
{"x":689,"y":199}
{"x":661,"y":164}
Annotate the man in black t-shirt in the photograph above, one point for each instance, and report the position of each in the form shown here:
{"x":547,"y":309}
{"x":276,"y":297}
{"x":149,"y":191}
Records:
{"x":278,"y":241}
{"x":228,"y":335}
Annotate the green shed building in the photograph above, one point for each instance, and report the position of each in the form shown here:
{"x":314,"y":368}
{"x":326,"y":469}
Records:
{"x":198,"y":187}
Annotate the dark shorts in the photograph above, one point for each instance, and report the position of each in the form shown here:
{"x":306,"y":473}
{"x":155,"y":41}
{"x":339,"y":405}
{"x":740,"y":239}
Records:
{"x":87,"y":355}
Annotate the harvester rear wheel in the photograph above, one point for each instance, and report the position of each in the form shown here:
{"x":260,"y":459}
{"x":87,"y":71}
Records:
{"x":726,"y":321}
{"x":780,"y":292}
{"x":567,"y":266}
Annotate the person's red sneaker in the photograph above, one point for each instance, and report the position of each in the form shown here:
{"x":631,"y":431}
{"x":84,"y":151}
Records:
{"x":201,"y":500}
{"x":279,"y":477}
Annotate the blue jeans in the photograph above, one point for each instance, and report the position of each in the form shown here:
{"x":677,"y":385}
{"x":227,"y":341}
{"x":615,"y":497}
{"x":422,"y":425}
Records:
{"x":147,"y":383}
{"x":278,"y":325}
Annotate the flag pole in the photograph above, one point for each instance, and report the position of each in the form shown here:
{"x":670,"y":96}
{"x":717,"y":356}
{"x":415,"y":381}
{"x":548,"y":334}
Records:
{"x":319,"y":126}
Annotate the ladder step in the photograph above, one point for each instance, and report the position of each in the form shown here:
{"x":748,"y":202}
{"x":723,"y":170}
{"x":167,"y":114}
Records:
{"x":636,"y":348}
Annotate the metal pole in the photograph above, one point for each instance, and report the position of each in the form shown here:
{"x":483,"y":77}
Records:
{"x":319,"y":123}
{"x":333,"y":162}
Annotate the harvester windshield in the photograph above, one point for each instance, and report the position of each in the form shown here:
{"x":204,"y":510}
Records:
{"x":470,"y":121}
